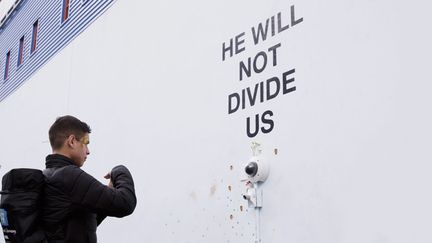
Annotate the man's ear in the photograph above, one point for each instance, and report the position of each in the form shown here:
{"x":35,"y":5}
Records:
{"x":70,"y":141}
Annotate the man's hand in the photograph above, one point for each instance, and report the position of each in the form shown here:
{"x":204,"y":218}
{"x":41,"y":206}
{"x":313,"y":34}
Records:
{"x":108,"y":176}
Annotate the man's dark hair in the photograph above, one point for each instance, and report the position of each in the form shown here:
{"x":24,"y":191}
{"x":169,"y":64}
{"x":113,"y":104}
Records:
{"x":65,"y":126}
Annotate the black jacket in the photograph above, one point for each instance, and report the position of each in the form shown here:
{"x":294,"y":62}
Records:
{"x":75,"y":203}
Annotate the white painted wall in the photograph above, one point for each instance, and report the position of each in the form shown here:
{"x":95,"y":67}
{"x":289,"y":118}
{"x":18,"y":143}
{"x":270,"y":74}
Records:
{"x":353,"y":161}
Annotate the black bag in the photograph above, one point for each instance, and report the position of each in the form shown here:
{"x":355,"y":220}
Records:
{"x":22,"y":191}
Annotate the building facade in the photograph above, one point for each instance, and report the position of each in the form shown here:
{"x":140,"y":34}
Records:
{"x":34,"y":31}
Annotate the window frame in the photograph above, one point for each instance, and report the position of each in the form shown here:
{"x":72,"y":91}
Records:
{"x":20,"y":52}
{"x":35,"y":32}
{"x":7,"y":66}
{"x":65,"y":11}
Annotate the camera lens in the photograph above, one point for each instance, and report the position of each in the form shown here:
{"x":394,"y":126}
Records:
{"x":251,"y":169}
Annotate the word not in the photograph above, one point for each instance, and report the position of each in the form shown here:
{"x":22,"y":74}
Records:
{"x":246,"y":68}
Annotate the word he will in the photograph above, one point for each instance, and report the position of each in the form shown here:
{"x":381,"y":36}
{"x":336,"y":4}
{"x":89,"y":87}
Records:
{"x":265,"y":90}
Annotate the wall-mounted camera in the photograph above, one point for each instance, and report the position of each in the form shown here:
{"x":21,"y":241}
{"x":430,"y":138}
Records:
{"x":257,"y":170}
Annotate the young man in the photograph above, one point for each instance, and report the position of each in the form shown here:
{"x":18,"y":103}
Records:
{"x":75,"y":203}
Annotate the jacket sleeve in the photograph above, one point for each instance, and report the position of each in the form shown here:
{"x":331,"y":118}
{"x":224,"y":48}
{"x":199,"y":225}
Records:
{"x":87,"y":192}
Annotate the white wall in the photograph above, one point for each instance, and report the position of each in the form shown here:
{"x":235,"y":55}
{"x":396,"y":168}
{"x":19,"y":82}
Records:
{"x":353,"y":159}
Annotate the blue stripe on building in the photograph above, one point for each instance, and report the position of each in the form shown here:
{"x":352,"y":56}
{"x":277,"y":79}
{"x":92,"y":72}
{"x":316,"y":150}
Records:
{"x":53,"y":35}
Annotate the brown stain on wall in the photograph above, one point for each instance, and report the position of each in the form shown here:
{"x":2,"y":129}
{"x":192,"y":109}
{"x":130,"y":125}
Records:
{"x":193,"y":196}
{"x":213,"y":190}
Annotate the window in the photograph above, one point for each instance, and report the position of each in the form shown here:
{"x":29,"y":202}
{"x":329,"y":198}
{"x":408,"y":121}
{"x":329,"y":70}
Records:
{"x":65,"y":11}
{"x":34,"y":37}
{"x":6,"y":74}
{"x":20,"y":51}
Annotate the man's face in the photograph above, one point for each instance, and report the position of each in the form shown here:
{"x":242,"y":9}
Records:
{"x":80,"y":150}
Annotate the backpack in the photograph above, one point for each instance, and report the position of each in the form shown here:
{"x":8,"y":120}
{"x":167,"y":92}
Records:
{"x":22,"y":191}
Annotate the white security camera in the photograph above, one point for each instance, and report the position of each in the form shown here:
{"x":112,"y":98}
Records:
{"x":257,"y":170}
